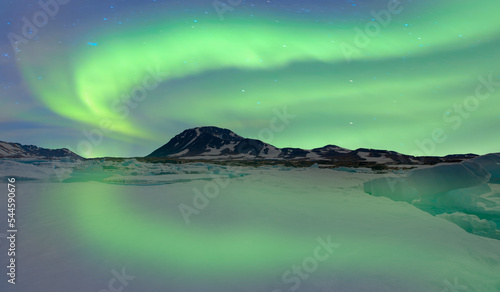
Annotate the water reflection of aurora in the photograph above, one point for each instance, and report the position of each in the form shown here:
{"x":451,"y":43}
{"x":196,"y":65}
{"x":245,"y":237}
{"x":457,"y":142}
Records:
{"x":119,"y":223}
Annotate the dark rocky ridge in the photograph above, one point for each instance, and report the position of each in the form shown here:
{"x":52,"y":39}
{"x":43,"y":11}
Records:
{"x":213,"y":143}
{"x":16,"y":150}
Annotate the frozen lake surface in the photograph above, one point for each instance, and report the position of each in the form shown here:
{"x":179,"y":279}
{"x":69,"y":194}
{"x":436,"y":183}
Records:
{"x":131,"y":226}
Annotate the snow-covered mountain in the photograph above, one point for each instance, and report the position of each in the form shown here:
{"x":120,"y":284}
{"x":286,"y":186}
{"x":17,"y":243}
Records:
{"x":213,"y":143}
{"x":16,"y":150}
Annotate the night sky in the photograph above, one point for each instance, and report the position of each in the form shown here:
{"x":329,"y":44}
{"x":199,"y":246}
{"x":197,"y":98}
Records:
{"x":417,"y":77}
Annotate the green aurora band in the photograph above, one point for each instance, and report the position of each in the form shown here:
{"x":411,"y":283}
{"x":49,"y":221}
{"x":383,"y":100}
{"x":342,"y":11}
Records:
{"x":233,"y":73}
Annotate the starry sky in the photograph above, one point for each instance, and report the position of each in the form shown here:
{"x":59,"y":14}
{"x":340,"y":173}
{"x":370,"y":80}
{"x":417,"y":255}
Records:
{"x":120,"y":78}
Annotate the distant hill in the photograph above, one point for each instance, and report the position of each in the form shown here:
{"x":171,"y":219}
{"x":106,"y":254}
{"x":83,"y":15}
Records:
{"x":16,"y":150}
{"x":213,"y":143}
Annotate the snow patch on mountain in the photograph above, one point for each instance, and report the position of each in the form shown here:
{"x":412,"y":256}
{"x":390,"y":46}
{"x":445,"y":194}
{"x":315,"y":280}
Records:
{"x":382,"y":159}
{"x":16,"y":150}
{"x":223,"y":144}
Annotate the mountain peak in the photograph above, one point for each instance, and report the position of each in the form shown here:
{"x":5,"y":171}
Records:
{"x":16,"y":150}
{"x":197,"y":141}
{"x":221,"y":133}
{"x":214,"y":143}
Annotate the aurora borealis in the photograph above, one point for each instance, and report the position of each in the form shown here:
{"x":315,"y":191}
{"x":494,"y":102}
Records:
{"x":119,"y":78}
{"x":414,"y":74}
